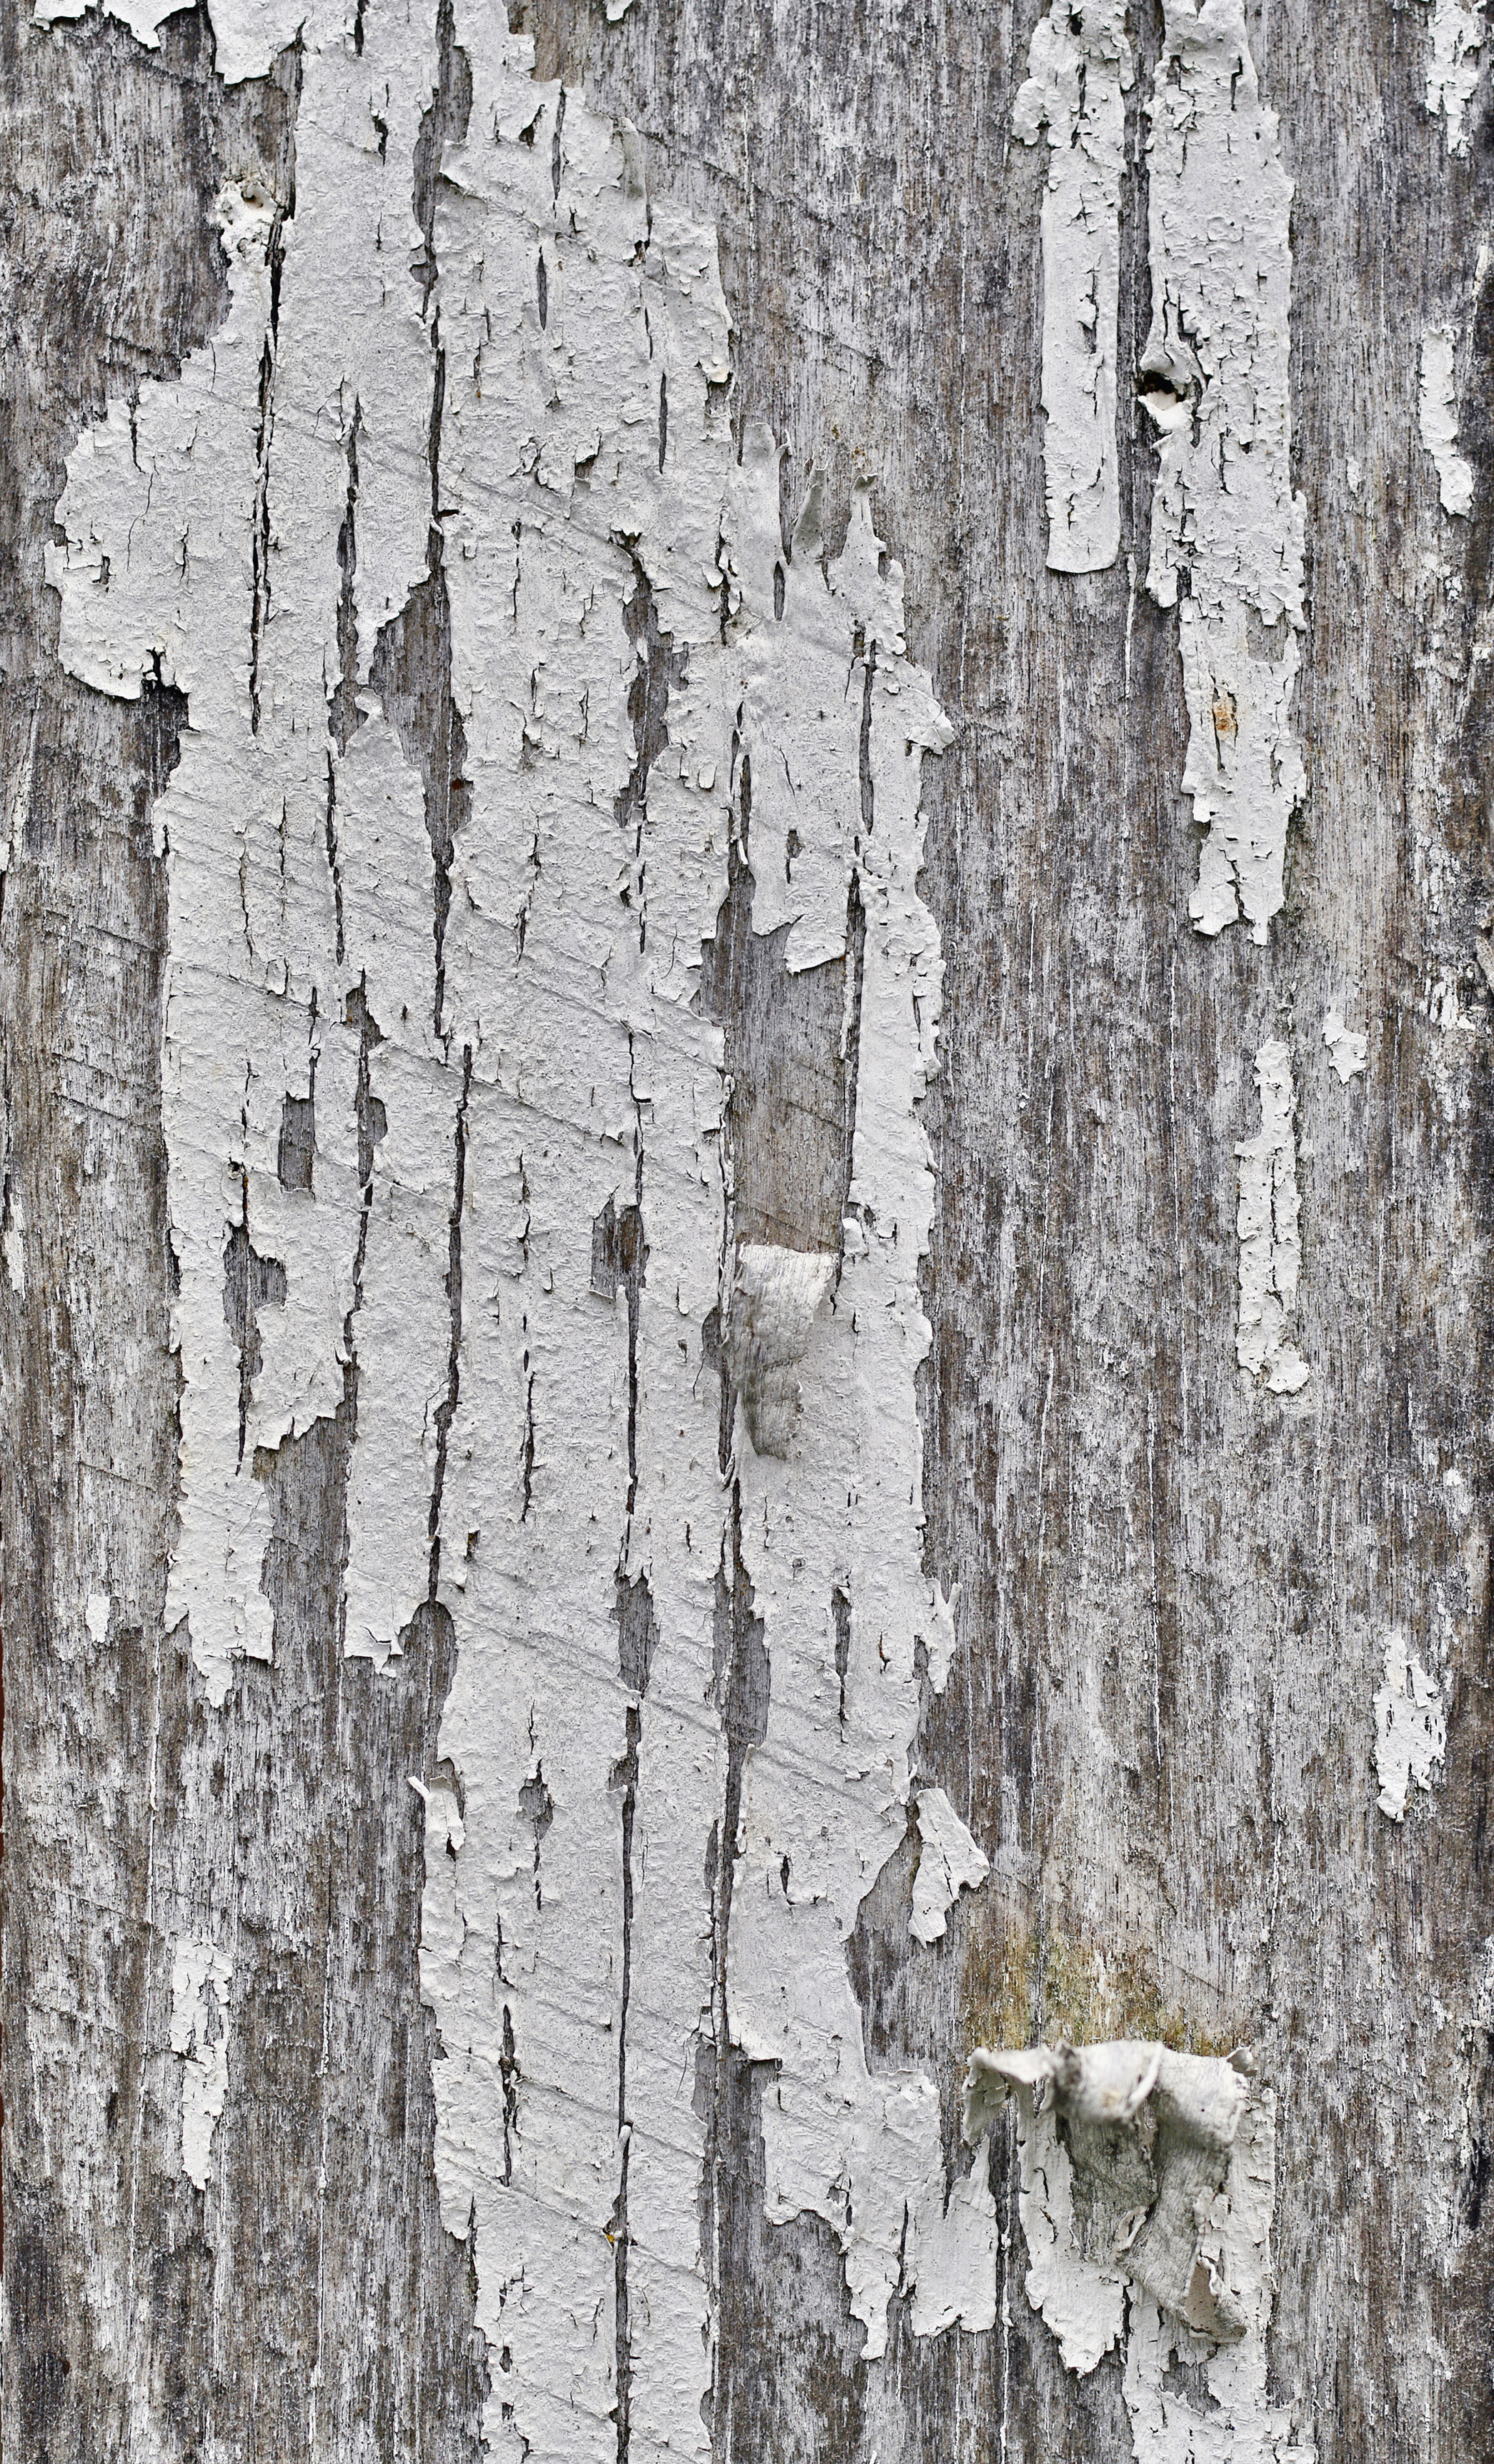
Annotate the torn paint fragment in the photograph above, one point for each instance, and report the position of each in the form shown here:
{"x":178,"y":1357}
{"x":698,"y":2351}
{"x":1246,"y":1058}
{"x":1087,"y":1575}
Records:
{"x":1438,"y":406}
{"x":1410,"y":1728}
{"x":1079,"y":72}
{"x":1454,"y":66}
{"x":949,"y":1861}
{"x":1236,"y":2418}
{"x":1227,"y":528}
{"x":201,"y":1975}
{"x":952,"y":2253}
{"x":1270,"y":1246}
{"x":1126,"y":2149}
{"x":246,"y":34}
{"x":1348,"y":1050}
{"x":774,"y":1300}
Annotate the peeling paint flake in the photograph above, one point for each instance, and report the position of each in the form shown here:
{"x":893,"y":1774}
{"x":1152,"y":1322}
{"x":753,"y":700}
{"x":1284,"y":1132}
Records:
{"x":1438,"y":410}
{"x":246,"y":532}
{"x":1079,"y":73}
{"x":1348,"y":1050}
{"x":200,"y":1979}
{"x":1148,"y":2184}
{"x":949,"y":1861}
{"x":1227,"y":528}
{"x":1454,"y":65}
{"x":1270,"y":1248}
{"x":1410,"y":1728}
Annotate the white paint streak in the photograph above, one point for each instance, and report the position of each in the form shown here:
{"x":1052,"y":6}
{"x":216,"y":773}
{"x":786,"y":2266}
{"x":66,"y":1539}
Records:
{"x":13,"y":1243}
{"x":1410,"y":1728}
{"x":200,"y":1979}
{"x":1348,"y":1050}
{"x":949,"y":1861}
{"x":1270,"y":1248}
{"x":1226,"y":529}
{"x":1079,"y":73}
{"x":819,"y":1819}
{"x":1438,"y":410}
{"x":1453,"y":68}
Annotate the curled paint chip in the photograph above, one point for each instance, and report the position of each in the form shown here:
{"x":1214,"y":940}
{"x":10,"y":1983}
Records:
{"x":1146,"y":2134}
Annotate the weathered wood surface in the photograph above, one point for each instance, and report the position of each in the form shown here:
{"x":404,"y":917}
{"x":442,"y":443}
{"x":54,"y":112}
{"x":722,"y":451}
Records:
{"x":1175,"y":1589}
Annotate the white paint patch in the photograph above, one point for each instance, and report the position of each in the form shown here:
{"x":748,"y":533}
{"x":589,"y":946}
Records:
{"x":1082,"y":2300}
{"x":1348,"y":1050}
{"x":1238,"y":2423}
{"x":1454,"y":65}
{"x":560,"y":1075}
{"x":200,"y":1979}
{"x":1079,"y":73}
{"x":13,"y":1243}
{"x":200,"y":540}
{"x":246,"y":34}
{"x":1270,"y":1248}
{"x":1410,"y":1728}
{"x":1226,"y":529}
{"x":1437,"y":402}
{"x":949,"y":1861}
{"x":951,"y":2254}
{"x":95,"y":1617}
{"x":823,"y":1797}
{"x":1148,"y":2184}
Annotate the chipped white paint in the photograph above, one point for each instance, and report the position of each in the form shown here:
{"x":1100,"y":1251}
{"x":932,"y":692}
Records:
{"x":1454,"y":64}
{"x":1410,"y":1728}
{"x":201,"y":1975}
{"x":13,"y":1243}
{"x":819,"y":1822}
{"x":1082,"y":2300}
{"x":1227,"y":528}
{"x":1079,"y":73}
{"x":949,"y":1861}
{"x":1270,"y":1248}
{"x":1348,"y":1050}
{"x":246,"y":34}
{"x":951,"y":2254}
{"x":1148,"y":2184}
{"x":96,"y":1616}
{"x":1238,"y":2422}
{"x":283,"y":906}
{"x":1438,"y":407}
{"x":559,"y":1483}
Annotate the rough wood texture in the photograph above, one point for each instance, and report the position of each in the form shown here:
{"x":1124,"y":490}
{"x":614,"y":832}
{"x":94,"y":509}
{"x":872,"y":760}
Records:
{"x":1174,"y":1588}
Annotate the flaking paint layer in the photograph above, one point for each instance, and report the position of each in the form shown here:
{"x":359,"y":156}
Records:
{"x":1226,"y":526}
{"x":1078,"y":70}
{"x":446,"y":1121}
